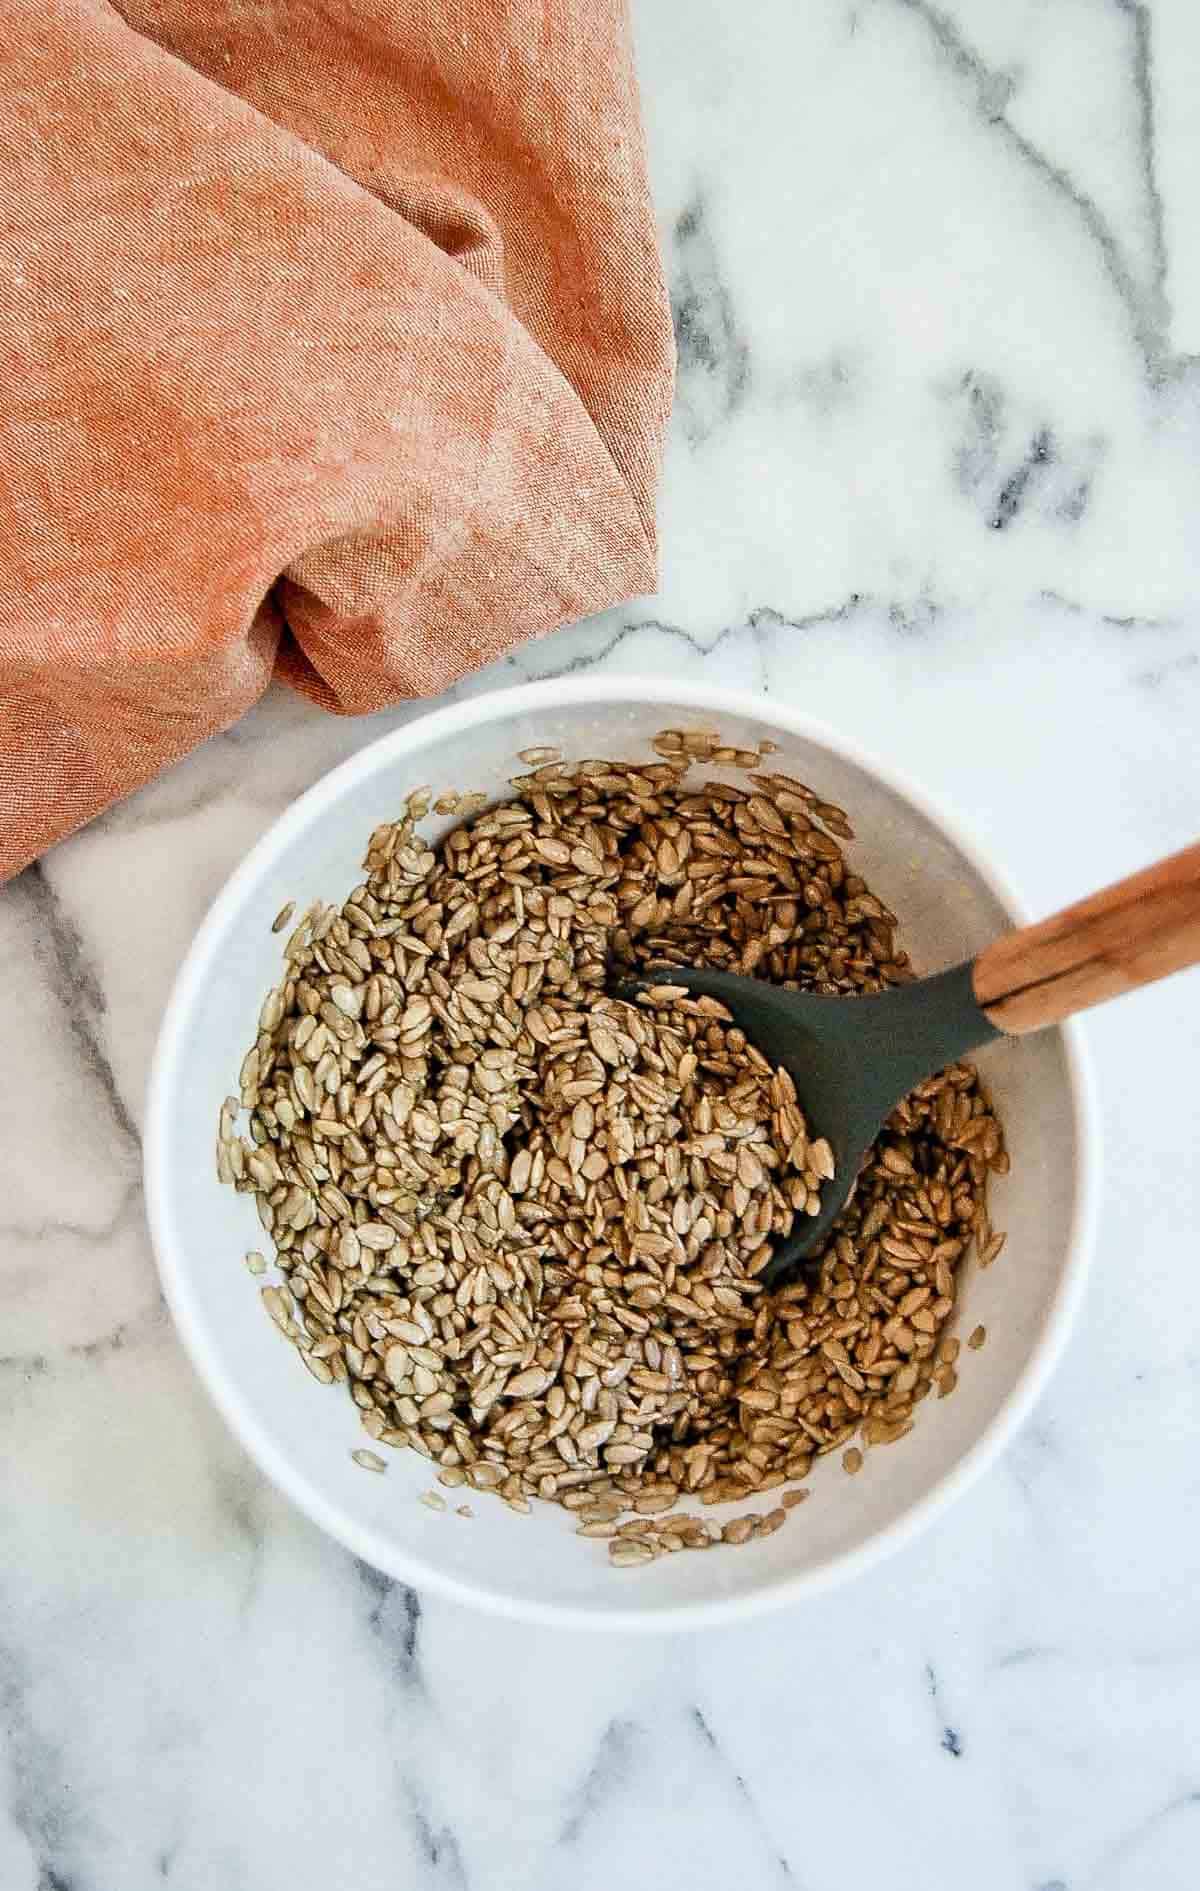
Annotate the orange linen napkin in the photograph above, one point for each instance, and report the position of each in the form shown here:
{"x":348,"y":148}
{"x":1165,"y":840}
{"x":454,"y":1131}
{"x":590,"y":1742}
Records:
{"x":333,"y":344}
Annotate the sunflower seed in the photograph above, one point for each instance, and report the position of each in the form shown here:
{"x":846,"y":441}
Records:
{"x":525,"y":1222}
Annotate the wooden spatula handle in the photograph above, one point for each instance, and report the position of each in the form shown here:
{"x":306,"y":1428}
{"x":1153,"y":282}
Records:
{"x":1132,"y":933}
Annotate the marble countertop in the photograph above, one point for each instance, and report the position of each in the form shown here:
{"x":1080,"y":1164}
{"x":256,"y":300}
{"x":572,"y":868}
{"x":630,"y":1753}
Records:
{"x":935,"y":475}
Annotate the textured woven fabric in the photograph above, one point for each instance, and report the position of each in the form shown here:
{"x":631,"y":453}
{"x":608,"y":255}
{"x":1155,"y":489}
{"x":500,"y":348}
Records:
{"x":333,"y":345}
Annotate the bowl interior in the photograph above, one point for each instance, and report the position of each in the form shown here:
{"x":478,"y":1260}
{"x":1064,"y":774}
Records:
{"x":303,"y":1433}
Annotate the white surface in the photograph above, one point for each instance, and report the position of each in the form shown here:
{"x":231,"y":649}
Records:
{"x":536,"y":1569}
{"x":1176,"y":44}
{"x":197,"y":1689}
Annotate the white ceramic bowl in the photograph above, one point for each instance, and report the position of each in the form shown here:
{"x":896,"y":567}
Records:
{"x":301,"y":1434}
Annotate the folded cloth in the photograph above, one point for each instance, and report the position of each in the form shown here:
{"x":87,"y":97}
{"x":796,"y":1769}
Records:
{"x":333,"y":345}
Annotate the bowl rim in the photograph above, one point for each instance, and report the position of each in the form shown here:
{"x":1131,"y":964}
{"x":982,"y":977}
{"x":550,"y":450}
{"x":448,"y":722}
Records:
{"x":206,"y":1354}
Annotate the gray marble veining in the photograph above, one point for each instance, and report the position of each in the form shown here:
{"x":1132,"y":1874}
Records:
{"x":935,"y":475}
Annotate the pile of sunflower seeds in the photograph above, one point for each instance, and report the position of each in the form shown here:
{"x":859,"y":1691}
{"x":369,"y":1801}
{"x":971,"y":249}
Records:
{"x":525,"y":1222}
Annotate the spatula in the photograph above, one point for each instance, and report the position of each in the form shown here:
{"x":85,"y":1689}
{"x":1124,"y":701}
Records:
{"x":853,"y":1059}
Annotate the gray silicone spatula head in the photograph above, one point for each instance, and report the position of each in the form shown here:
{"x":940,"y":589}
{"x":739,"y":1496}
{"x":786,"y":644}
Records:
{"x":851,"y":1060}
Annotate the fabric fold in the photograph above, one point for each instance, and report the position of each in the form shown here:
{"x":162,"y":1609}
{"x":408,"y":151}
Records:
{"x":333,"y":345}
